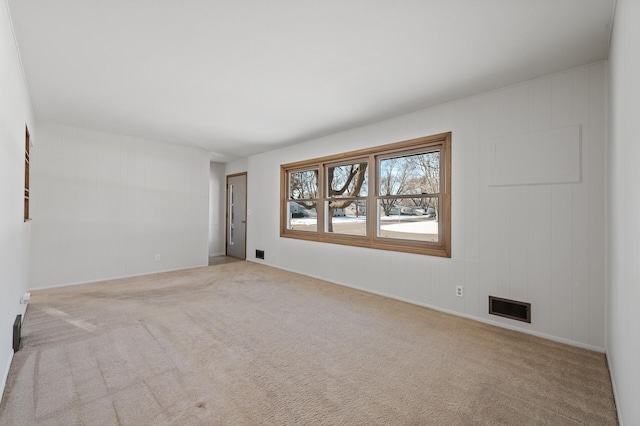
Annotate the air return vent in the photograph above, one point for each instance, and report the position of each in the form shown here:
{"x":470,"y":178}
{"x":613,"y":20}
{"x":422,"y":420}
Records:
{"x":513,"y":309}
{"x":259,"y":254}
{"x":17,"y":328}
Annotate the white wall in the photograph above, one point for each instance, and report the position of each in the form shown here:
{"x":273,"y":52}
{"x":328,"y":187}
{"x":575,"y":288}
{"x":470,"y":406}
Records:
{"x":104,"y":205}
{"x":623,"y":246}
{"x":217,"y":185}
{"x":237,"y":166}
{"x":539,"y":243}
{"x":15,"y":113}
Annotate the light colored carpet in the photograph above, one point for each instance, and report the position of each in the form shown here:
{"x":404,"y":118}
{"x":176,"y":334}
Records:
{"x":221,"y":260}
{"x":245,"y":344}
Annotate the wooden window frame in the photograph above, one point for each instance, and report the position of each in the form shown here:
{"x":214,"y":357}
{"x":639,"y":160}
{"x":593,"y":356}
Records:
{"x":27,"y":160}
{"x":286,"y":200}
{"x":442,"y":248}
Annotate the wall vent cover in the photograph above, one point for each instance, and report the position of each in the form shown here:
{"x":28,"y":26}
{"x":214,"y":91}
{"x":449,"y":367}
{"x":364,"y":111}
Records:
{"x":17,"y":328}
{"x":512,"y":309}
{"x":259,"y":254}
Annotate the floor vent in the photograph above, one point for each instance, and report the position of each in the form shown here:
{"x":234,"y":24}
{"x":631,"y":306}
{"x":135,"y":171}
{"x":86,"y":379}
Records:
{"x":513,"y":309}
{"x":17,"y":329}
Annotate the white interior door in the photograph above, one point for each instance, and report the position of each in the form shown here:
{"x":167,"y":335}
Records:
{"x":237,"y":215}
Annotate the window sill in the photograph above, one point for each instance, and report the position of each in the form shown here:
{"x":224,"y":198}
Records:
{"x":358,"y":241}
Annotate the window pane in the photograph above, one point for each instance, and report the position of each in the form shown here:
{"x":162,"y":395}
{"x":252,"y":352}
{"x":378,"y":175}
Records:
{"x":411,"y":174}
{"x":349,"y":180}
{"x":303,"y":185}
{"x":409,"y":219}
{"x":346,"y":217}
{"x":303,"y":216}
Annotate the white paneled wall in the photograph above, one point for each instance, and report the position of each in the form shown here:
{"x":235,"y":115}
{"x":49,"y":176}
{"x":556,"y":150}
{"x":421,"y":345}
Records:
{"x":542,"y":244}
{"x":217,"y":185}
{"x":623,"y":220}
{"x":15,"y":114}
{"x":105,"y":205}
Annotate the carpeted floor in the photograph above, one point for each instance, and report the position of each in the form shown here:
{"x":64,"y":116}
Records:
{"x":245,"y":344}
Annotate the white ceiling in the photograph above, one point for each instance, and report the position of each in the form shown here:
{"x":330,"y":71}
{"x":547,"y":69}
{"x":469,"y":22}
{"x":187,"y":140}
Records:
{"x":239,"y":77}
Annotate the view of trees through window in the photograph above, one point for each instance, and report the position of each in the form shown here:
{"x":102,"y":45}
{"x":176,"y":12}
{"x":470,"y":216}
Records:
{"x":303,"y":188}
{"x":347,"y":187}
{"x":411,"y":176}
{"x":409,"y":185}
{"x":388,"y":198}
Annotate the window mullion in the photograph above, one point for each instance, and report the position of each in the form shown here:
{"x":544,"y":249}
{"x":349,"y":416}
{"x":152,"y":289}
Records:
{"x":322,"y":196}
{"x":372,"y":211}
{"x":438,"y":217}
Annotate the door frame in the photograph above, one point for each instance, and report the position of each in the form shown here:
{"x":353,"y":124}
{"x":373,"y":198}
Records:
{"x":226,"y":213}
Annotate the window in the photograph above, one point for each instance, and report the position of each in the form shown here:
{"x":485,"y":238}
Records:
{"x":302,"y":202}
{"x":26,"y":175}
{"x":409,"y":185}
{"x":391,"y":197}
{"x":346,"y":186}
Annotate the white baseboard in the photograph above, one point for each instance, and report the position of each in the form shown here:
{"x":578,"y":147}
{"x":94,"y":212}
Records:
{"x":447,"y":311}
{"x":217,"y":254}
{"x":616,"y":400}
{"x":5,"y":375}
{"x":116,"y":278}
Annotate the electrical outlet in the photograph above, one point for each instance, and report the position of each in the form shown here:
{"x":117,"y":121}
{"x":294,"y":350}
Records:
{"x":157,"y":258}
{"x":460,"y":291}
